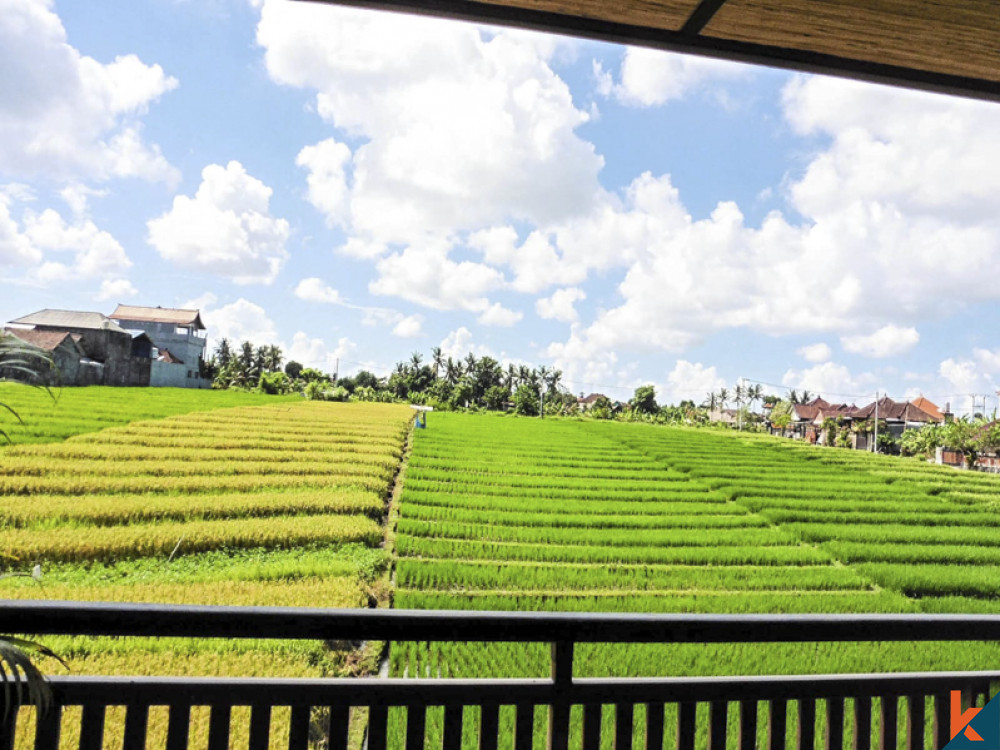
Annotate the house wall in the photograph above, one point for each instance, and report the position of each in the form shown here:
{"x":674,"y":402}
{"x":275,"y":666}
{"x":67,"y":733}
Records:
{"x":67,"y":361}
{"x":114,"y":350}
{"x":172,"y":375}
{"x":183,"y":343}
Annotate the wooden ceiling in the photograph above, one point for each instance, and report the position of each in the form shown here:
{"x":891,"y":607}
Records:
{"x":952,"y":46}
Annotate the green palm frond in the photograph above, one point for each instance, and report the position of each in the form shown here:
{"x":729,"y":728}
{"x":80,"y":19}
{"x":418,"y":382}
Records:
{"x":22,"y":681}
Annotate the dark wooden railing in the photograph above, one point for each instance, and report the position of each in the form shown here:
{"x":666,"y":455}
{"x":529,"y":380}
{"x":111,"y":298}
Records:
{"x":767,"y":712}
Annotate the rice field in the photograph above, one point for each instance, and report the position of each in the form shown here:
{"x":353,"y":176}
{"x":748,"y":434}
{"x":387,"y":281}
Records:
{"x":571,"y":515}
{"x":278,"y":505}
{"x":54,"y":415}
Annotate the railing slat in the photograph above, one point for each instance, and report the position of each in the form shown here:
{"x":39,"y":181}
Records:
{"x":592,"y":715}
{"x":452,"y":727}
{"x":806,"y":739}
{"x":298,"y":727}
{"x":687,"y":714}
{"x":47,"y":729}
{"x":776,"y":724}
{"x":378,"y":723}
{"x":654,"y":726}
{"x":524,"y":726}
{"x":218,"y":727}
{"x":624,"y":713}
{"x":339,"y":728}
{"x":915,"y":722}
{"x":416,"y":727}
{"x":136,"y":720}
{"x":718,"y":715}
{"x":92,"y":727}
{"x":489,"y":726}
{"x":748,"y":725}
{"x":260,"y":726}
{"x":178,"y":726}
{"x":8,"y":730}
{"x":834,"y":724}
{"x":942,"y":720}
{"x":888,"y":730}
{"x":862,"y":723}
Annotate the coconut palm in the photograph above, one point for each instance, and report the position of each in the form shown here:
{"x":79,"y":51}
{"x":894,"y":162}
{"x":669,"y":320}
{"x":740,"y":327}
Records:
{"x":437,"y":356}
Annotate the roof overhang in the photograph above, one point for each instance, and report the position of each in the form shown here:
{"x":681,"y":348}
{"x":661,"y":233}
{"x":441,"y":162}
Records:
{"x":951,"y":46}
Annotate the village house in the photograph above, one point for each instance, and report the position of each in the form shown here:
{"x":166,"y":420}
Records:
{"x":110,"y":355}
{"x":179,"y":339}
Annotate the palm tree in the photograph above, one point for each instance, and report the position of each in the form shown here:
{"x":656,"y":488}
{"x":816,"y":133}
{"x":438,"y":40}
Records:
{"x":470,"y":364}
{"x":511,"y":376}
{"x":452,"y":371}
{"x":415,"y":360}
{"x":723,"y":397}
{"x":438,"y":358}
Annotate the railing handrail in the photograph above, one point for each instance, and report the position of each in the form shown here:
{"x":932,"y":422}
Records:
{"x":118,"y":619}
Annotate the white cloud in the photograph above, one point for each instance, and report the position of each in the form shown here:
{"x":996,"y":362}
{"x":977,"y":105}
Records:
{"x":16,"y":248}
{"x":409,"y":327}
{"x":650,"y":77}
{"x":116,"y":289}
{"x":560,"y":306}
{"x":317,"y":290}
{"x":240,"y":321}
{"x":226,"y":229}
{"x":424,"y":274}
{"x":888,"y":341}
{"x":444,"y":110}
{"x":689,"y":381}
{"x":458,"y":344}
{"x":498,"y":315}
{"x":314,"y":352}
{"x":815,"y":352}
{"x":68,"y":116}
{"x":328,"y":189}
{"x":831,"y":381}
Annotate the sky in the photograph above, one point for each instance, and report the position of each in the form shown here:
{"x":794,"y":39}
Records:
{"x":355,"y":186}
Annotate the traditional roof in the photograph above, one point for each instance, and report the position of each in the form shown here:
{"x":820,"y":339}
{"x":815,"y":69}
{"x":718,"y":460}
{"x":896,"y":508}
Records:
{"x":47,"y":340}
{"x":897,"y":411}
{"x":68,"y":319}
{"x":166,"y":356}
{"x":590,"y":399}
{"x":159,"y":315}
{"x":928,"y":406}
{"x":937,"y":45}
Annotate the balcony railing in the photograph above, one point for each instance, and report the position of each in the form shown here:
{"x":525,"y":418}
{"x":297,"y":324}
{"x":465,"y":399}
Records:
{"x":765,"y":709}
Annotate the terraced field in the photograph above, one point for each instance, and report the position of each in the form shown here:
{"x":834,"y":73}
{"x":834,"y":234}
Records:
{"x":265,"y":505}
{"x":590,"y":516}
{"x":55,"y":415}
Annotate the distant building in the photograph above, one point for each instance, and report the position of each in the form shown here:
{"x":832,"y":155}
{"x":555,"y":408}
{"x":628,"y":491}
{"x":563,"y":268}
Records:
{"x":179,"y":338}
{"x":110,"y":355}
{"x":586,"y":404}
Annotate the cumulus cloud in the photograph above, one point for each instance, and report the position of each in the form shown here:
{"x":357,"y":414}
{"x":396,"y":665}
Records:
{"x":68,"y":116}
{"x":815,"y":352}
{"x":424,"y":274}
{"x":317,"y":290}
{"x":650,"y":77}
{"x":498,"y":315}
{"x":409,"y":327}
{"x":561,"y":305}
{"x":226,"y":229}
{"x":689,"y":381}
{"x":241,"y":320}
{"x":327,"y":163}
{"x":459,"y":343}
{"x":388,"y":78}
{"x":832,"y":381}
{"x":116,"y":289}
{"x":888,"y":341}
{"x":315,"y":352}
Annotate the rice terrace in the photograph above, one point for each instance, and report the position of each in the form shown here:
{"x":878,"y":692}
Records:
{"x":164,"y":496}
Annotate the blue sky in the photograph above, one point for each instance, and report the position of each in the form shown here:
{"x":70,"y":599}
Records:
{"x":357,"y":186}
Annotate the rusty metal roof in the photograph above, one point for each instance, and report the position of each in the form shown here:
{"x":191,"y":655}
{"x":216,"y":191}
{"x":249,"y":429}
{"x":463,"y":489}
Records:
{"x":951,"y":46}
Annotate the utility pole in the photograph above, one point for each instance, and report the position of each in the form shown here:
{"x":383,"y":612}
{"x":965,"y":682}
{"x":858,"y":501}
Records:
{"x":875,"y":439}
{"x":336,"y":371}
